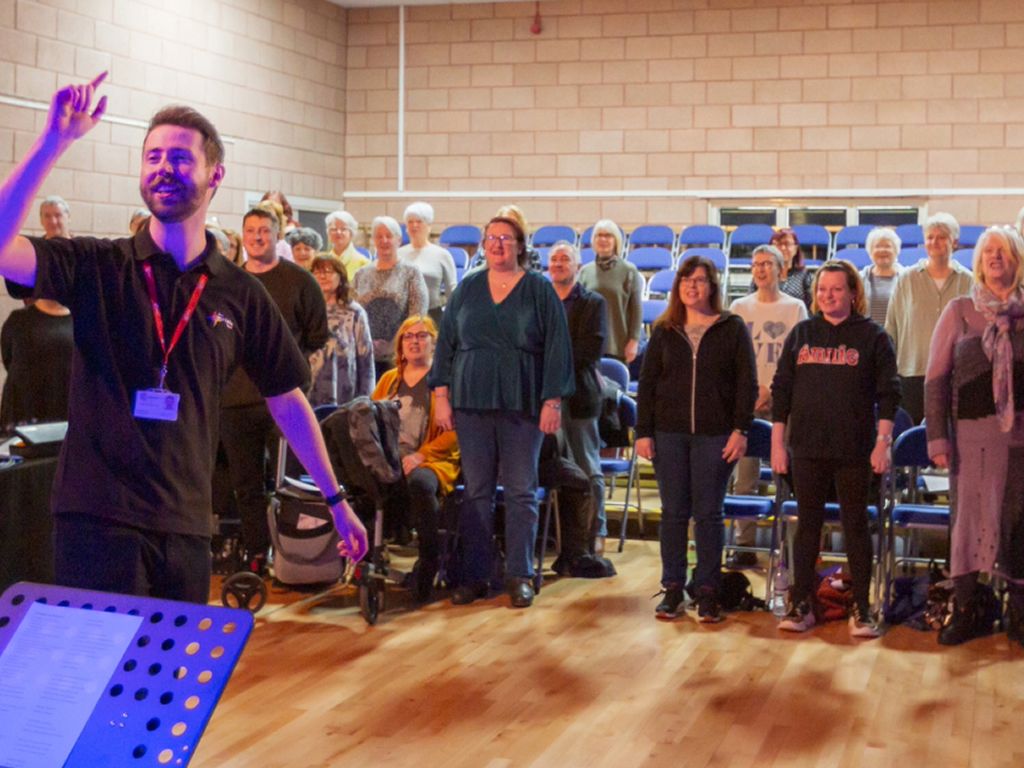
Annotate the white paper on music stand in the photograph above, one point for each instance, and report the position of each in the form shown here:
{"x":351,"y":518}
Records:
{"x":52,"y":673}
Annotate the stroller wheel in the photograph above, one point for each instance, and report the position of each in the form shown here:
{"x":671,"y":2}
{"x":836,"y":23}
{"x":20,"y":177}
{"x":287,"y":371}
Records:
{"x":244,"y":590}
{"x":369,"y":600}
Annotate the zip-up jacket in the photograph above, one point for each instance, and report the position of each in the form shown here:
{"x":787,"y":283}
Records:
{"x":828,"y":381}
{"x":711,"y":392}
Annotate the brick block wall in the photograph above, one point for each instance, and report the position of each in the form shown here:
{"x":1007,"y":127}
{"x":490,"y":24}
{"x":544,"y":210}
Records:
{"x":271,"y":76}
{"x":688,"y":94}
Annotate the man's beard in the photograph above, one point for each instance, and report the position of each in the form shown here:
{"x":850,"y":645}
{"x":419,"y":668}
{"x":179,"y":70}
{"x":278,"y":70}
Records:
{"x":186,"y":198}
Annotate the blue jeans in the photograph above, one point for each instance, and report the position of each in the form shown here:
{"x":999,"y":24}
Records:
{"x":692,"y":478}
{"x":495,"y":444}
{"x":585,"y":444}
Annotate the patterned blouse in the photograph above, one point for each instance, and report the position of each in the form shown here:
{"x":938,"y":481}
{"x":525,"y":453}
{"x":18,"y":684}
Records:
{"x":343,"y":369}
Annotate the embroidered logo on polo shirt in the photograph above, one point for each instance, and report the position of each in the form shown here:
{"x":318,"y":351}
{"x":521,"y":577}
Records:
{"x":216,"y":318}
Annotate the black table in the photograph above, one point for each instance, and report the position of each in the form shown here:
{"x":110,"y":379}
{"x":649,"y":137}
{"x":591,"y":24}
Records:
{"x":26,"y":524}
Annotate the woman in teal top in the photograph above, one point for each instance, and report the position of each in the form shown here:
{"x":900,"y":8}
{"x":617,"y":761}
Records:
{"x":503,"y":364}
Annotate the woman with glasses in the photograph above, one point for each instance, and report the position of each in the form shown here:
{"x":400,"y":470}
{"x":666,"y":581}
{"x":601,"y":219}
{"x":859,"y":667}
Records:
{"x":621,"y":285}
{"x":430,"y":452}
{"x":502,"y":367}
{"x":695,"y":404}
{"x":341,"y":231}
{"x":795,"y":279}
{"x":343,"y":369}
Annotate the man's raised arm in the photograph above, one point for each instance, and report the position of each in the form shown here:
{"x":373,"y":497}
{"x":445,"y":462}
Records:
{"x":68,"y":120}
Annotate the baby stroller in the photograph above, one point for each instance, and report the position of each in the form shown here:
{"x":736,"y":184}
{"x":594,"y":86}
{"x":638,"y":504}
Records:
{"x":362,"y":443}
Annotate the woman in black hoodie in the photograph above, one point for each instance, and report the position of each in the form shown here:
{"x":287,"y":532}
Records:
{"x":695,"y":404}
{"x":835,"y":367}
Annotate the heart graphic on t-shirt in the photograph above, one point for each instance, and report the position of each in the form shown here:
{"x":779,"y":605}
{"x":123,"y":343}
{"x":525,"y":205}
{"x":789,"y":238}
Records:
{"x":774,"y":329}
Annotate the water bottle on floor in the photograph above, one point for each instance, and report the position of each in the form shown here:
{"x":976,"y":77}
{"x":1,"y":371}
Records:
{"x":780,"y":588}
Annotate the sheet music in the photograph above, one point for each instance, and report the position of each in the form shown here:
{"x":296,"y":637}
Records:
{"x":53,"y":671}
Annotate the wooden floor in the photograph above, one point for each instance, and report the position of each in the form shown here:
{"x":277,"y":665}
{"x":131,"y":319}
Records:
{"x":588,"y":677}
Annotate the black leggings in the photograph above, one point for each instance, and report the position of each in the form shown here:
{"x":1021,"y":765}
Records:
{"x":812,"y":481}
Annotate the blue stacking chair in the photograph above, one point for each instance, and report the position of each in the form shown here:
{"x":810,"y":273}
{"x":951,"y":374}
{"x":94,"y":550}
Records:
{"x":965,"y":256}
{"x":463,"y":235}
{"x":906,"y":512}
{"x":618,"y":465}
{"x":650,"y":259}
{"x":747,"y":237}
{"x":854,"y":236}
{"x":910,"y":235}
{"x":742,"y":507}
{"x":651,"y":235}
{"x":459,"y":256}
{"x":586,"y":255}
{"x":815,"y":240}
{"x":715,"y":255}
{"x":859,"y":257}
{"x":969,"y":234}
{"x":586,"y":236}
{"x":706,"y":235}
{"x":660,"y":283}
{"x":910,"y":256}
{"x":547,"y":236}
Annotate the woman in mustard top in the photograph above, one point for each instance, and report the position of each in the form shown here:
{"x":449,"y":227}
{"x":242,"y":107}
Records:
{"x":430,"y":453}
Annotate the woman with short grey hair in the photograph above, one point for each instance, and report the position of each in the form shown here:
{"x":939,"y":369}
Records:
{"x":341,"y":231}
{"x":432,"y":260}
{"x":621,"y":285}
{"x":883,"y":246}
{"x":305,"y":244}
{"x":389,"y":290}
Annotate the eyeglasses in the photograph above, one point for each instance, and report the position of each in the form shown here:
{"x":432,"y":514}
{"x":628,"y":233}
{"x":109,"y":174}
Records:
{"x":336,"y":230}
{"x":503,"y":239}
{"x":420,"y":337}
{"x":761,"y":264}
{"x":697,"y":282}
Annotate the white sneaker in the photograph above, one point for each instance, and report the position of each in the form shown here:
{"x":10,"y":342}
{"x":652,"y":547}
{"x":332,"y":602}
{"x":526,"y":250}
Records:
{"x":799,"y":619}
{"x":863,"y":624}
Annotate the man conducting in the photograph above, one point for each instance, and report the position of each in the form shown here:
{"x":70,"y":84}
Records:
{"x":161,"y":321}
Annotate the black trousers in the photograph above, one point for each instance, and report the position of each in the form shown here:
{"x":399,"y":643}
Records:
{"x":416,"y":502}
{"x":912,"y":396}
{"x":94,"y":553}
{"x":813,"y":480}
{"x":249,"y":435}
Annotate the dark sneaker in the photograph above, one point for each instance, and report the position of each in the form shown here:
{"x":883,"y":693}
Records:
{"x":863,"y":623}
{"x":709,"y":610}
{"x":799,"y":619}
{"x":670,"y":606}
{"x":739,"y":560}
{"x":958,"y":626}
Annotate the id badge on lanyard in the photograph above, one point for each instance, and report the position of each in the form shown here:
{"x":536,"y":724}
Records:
{"x":159,"y":403}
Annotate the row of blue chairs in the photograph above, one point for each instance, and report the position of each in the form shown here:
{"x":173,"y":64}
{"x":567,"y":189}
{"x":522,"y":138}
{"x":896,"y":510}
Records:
{"x":815,"y":240}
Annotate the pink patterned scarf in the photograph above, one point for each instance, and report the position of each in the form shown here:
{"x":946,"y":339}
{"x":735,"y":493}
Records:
{"x":1001,"y":317}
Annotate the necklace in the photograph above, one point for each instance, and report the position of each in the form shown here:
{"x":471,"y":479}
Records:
{"x":503,"y":284}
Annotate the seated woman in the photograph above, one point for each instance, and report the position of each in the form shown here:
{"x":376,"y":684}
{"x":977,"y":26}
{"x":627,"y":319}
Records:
{"x":343,"y":369}
{"x":430,"y":454}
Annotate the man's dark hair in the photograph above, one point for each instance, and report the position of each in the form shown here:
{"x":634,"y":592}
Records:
{"x":260,"y":213}
{"x":186,"y":117}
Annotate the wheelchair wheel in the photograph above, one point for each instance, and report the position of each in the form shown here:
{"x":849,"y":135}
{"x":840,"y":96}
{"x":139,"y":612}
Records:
{"x":370,"y":600}
{"x":244,"y":590}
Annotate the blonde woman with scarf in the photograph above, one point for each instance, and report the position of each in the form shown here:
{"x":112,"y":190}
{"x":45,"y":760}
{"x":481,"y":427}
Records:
{"x":974,"y":395}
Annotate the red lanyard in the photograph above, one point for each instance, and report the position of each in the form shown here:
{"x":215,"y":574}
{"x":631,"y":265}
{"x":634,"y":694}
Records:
{"x":158,"y":318}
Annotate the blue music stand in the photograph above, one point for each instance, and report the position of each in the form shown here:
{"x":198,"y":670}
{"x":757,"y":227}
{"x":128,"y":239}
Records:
{"x":166,"y":685}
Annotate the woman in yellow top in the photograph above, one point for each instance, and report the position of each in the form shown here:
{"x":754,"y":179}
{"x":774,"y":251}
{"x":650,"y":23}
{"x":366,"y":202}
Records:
{"x":430,"y":454}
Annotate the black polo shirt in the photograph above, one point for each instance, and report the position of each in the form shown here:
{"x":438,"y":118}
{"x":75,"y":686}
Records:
{"x":151,"y":474}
